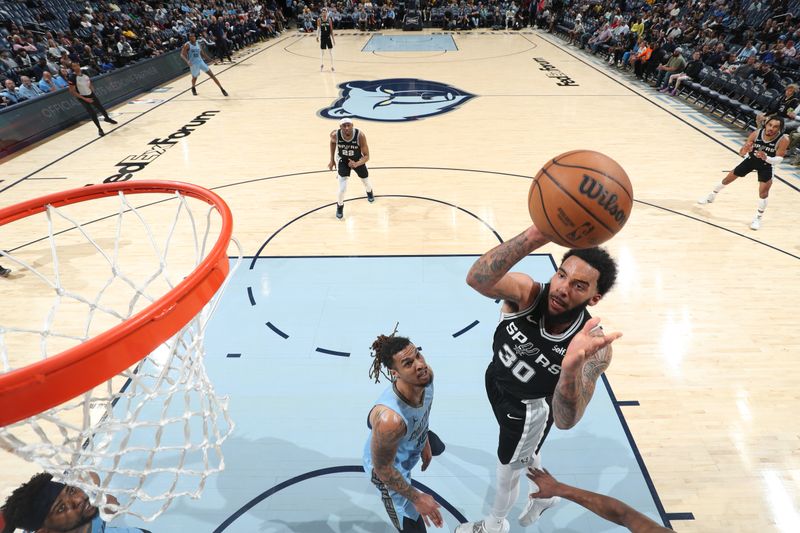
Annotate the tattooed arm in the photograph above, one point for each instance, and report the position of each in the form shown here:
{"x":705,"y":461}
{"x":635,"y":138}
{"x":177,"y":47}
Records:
{"x":588,"y":355}
{"x":490,"y":274}
{"x":387,"y":431}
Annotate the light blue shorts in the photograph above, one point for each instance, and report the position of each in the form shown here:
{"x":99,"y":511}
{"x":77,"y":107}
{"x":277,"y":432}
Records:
{"x":197,"y":68}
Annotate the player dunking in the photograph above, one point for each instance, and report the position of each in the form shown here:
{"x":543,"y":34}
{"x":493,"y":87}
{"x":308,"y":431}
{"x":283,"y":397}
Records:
{"x":548,"y":354}
{"x":764,"y":149}
{"x":399,"y":435}
{"x":193,"y":54}
{"x":325,"y":38}
{"x":349,"y":151}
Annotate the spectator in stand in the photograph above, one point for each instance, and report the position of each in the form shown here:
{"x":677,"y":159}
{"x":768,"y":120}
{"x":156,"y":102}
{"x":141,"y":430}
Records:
{"x":11,"y":92}
{"x":125,"y":53}
{"x":601,"y":39}
{"x":748,"y":70}
{"x":62,"y":78}
{"x":692,"y":71}
{"x":717,"y":57}
{"x":770,"y":78}
{"x":784,"y":106}
{"x":747,"y":51}
{"x":28,"y":90}
{"x":674,"y":65}
{"x":730,"y":65}
{"x":46,"y":84}
{"x":8,"y":62}
{"x":26,"y":61}
{"x":577,"y":30}
{"x":641,"y":57}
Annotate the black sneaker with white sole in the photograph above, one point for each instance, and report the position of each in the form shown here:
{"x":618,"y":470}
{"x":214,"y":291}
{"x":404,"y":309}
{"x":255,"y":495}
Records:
{"x":370,"y":196}
{"x":339,"y":211}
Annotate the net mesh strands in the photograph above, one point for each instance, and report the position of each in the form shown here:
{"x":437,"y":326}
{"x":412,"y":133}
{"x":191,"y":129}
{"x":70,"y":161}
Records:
{"x":152,"y":432}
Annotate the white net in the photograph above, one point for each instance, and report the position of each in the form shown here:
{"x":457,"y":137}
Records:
{"x":154,"y":432}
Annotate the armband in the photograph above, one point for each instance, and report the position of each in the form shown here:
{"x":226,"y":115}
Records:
{"x":774,"y":160}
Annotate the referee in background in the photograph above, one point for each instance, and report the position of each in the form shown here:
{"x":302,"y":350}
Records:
{"x":80,"y":85}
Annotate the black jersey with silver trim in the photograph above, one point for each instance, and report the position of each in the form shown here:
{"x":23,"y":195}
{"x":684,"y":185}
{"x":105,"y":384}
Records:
{"x":348,"y":150}
{"x":768,"y":147}
{"x":527,"y":359}
{"x":325,"y":28}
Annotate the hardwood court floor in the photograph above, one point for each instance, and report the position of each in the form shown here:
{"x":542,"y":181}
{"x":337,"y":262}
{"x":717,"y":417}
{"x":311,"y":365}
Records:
{"x":710,"y":346}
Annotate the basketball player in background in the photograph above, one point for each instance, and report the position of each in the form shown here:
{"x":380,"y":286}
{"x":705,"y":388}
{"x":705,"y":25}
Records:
{"x":193,"y":54}
{"x":45,"y":506}
{"x":349,"y":151}
{"x":399,"y":435}
{"x":764,"y":149}
{"x":548,"y":355}
{"x":609,"y":508}
{"x":325,"y":38}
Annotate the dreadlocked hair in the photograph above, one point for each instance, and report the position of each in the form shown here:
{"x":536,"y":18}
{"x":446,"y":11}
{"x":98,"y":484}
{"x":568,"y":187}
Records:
{"x":382,"y":351}
{"x":18,"y":506}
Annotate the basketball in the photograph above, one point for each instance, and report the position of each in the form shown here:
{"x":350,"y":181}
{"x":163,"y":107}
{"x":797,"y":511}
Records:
{"x":580,"y":199}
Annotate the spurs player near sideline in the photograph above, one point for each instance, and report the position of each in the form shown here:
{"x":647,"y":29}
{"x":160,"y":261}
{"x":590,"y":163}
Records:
{"x":548,"y":355}
{"x":764,"y":149}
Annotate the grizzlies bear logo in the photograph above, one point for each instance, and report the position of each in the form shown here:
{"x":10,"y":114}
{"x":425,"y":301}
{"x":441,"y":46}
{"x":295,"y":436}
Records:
{"x":395,"y":100}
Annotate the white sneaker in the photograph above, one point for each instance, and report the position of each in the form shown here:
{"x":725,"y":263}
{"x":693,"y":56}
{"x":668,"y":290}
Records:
{"x":535,"y":508}
{"x":756,"y":225}
{"x":480,"y":527}
{"x":708,"y":199}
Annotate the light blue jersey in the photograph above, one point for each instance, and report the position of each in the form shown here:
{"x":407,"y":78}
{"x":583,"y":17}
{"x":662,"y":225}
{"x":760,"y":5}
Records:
{"x":409,"y":449}
{"x":98,"y":526}
{"x":196,"y":63}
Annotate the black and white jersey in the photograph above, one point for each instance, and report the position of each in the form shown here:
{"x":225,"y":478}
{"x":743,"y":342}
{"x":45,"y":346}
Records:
{"x":527,"y":359}
{"x":768,"y":147}
{"x":348,"y":150}
{"x":325,"y":29}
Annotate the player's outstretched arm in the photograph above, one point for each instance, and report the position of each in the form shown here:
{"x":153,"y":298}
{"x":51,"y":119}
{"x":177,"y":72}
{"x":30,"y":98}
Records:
{"x":387,"y":431}
{"x":588,"y":355}
{"x":748,"y":145}
{"x":609,"y":508}
{"x":490,"y":275}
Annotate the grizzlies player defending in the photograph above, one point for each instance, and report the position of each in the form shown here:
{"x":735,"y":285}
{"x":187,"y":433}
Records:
{"x":325,"y":38}
{"x":193,"y":54}
{"x":349,"y":150}
{"x":548,"y":354}
{"x":763,"y":149}
{"x":400,"y":435}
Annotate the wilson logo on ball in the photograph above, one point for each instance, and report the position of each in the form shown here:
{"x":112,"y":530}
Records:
{"x":608,"y":201}
{"x":580,"y":199}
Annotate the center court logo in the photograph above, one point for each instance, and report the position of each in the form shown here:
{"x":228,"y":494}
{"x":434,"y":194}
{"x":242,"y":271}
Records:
{"x":395,"y":100}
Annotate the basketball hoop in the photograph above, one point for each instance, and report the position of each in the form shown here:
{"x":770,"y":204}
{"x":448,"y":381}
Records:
{"x":112,"y":403}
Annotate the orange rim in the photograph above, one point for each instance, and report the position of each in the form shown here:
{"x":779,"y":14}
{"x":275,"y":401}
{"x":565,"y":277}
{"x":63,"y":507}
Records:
{"x":50,"y":382}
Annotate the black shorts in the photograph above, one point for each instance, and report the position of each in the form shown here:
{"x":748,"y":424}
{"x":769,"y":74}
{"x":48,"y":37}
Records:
{"x":524,"y":424}
{"x":750,"y":164}
{"x":325,"y":42}
{"x":344,"y":170}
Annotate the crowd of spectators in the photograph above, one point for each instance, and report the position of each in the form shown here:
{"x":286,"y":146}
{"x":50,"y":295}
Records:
{"x":40,"y":39}
{"x":665,"y":44}
{"x":750,"y":43}
{"x":447,"y":15}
